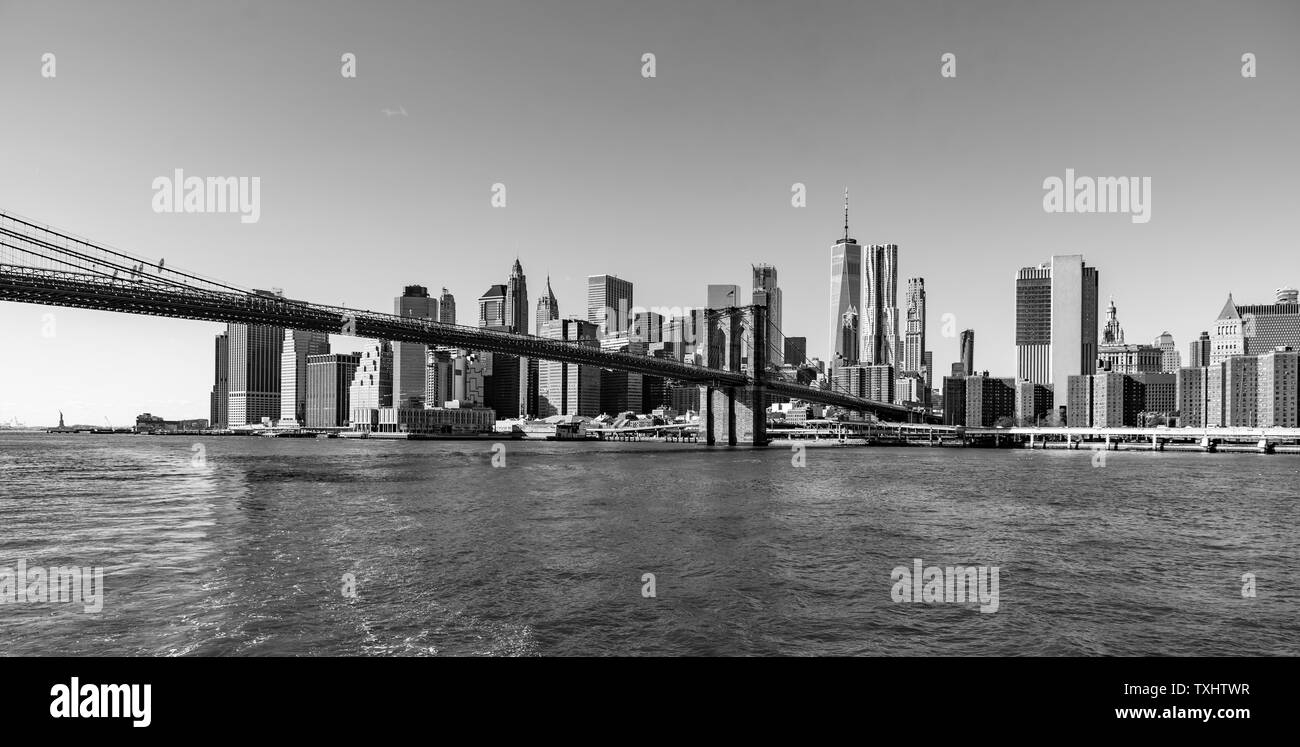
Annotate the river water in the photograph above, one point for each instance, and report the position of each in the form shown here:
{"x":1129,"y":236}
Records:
{"x":256,"y":546}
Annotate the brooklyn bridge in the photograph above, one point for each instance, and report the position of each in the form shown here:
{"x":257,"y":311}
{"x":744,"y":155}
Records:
{"x":42,"y":265}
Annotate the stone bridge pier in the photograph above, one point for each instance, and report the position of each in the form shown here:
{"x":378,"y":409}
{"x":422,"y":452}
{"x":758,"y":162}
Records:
{"x":735,"y":339}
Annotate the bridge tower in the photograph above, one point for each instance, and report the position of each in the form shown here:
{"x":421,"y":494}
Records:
{"x":735,"y":339}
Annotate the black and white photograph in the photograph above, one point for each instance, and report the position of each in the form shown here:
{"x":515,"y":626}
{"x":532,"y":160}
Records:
{"x":944,"y":337}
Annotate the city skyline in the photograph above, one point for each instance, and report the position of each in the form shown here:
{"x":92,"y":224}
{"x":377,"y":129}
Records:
{"x":972,"y":151}
{"x":414,"y":292}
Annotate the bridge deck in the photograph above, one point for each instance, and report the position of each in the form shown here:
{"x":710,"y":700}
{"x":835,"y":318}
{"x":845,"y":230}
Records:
{"x":91,"y":291}
{"x":41,"y":265}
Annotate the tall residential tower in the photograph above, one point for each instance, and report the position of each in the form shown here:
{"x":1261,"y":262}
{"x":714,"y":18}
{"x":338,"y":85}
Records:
{"x":880,"y":306}
{"x":968,"y":352}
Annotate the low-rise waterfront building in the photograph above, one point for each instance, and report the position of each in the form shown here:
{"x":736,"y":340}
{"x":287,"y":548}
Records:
{"x":446,"y":421}
{"x":150,"y":423}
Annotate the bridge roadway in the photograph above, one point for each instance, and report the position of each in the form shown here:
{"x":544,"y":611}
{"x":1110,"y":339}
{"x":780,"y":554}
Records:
{"x":158,"y":297}
{"x":89,"y":291}
{"x":42,"y":265}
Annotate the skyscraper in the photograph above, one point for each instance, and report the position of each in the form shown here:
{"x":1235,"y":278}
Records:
{"x":846,"y":297}
{"x":438,"y":377}
{"x":968,"y":352}
{"x":648,"y":327}
{"x":608,"y":296}
{"x":447,"y":307}
{"x":505,"y":389}
{"x":372,"y":385}
{"x":1034,"y":325}
{"x":516,"y":310}
{"x":254,"y":378}
{"x":254,"y":372}
{"x":1170,"y":360}
{"x":492,"y":308}
{"x":569,"y":388}
{"x":328,"y":379}
{"x":914,"y":331}
{"x":505,"y":308}
{"x":468,"y":372}
{"x":1056,"y":322}
{"x":1229,"y":337}
{"x":548,"y":308}
{"x":684,"y":334}
{"x":621,"y":391}
{"x":927,"y":366}
{"x":409,"y":357}
{"x":297,"y":346}
{"x":880,"y":306}
{"x":219,"y":401}
{"x":1198,"y":352}
{"x":767,"y":293}
{"x":1257,"y":328}
{"x":796,"y":350}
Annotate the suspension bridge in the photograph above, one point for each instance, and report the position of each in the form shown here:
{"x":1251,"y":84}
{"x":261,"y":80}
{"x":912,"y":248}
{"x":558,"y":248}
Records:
{"x":43,"y":265}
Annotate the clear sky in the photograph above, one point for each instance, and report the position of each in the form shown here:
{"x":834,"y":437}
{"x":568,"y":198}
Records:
{"x":672,"y":182}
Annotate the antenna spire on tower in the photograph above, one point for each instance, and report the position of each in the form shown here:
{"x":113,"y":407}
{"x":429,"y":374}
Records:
{"x":846,"y":214}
